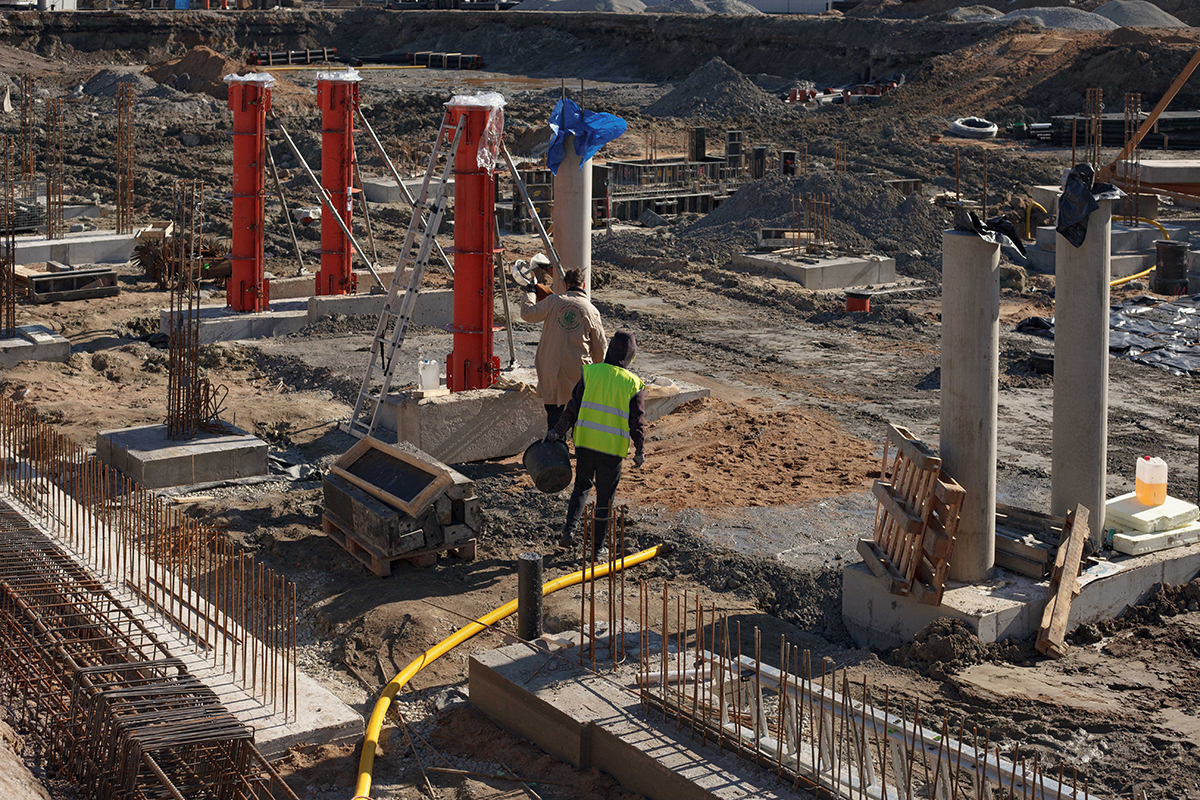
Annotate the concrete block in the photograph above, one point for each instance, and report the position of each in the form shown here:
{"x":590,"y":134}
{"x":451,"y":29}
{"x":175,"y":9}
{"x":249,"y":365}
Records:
{"x":491,"y":423}
{"x":218,"y":323}
{"x":386,"y":190}
{"x":828,"y":273}
{"x":1010,"y":605}
{"x":435,"y":307}
{"x":1159,"y":170}
{"x":1047,"y":198}
{"x":147,"y":456}
{"x":88,"y":247}
{"x":33,"y":343}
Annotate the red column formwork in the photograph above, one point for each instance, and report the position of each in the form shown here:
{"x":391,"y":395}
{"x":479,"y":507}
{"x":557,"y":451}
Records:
{"x":249,"y":99}
{"x":337,"y":94}
{"x":471,"y":365}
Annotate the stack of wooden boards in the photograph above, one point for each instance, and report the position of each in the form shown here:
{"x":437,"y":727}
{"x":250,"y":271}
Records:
{"x":915,"y":521}
{"x":1026,"y":541}
{"x":60,"y":283}
{"x":386,"y":503}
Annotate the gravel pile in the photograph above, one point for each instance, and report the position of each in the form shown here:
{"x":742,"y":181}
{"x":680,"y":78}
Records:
{"x":716,"y":91}
{"x":967,"y":14}
{"x":105,"y":83}
{"x":615,"y":6}
{"x":1138,"y":14}
{"x":727,"y":7}
{"x":1061,"y":18}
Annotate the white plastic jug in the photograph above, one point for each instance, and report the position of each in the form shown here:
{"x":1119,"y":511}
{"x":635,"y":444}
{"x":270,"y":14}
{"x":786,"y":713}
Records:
{"x":429,"y":374}
{"x":1151,"y":481}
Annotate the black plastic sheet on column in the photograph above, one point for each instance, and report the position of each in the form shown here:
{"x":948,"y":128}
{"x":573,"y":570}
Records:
{"x":1079,"y":199}
{"x":1146,"y":330}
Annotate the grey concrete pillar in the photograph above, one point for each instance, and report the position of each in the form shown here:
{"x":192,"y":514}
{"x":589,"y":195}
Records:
{"x":529,"y":596}
{"x":970,"y":383}
{"x":1081,"y":295}
{"x":572,"y":215}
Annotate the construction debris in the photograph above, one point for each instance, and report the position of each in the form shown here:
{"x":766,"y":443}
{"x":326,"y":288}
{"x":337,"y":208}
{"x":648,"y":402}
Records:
{"x":1064,"y":585}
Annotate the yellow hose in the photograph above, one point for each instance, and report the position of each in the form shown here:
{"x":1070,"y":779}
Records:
{"x":366,"y":761}
{"x":1129,"y":278}
{"x":1029,"y":213}
{"x":1156,"y":224}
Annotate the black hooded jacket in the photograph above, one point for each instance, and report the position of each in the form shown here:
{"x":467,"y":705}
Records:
{"x":621,"y":351}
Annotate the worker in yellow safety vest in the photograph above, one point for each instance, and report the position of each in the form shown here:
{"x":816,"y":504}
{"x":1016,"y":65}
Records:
{"x":607,"y":410}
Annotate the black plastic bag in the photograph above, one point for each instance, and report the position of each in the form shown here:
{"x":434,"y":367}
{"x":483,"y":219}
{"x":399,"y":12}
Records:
{"x":1078,"y":201}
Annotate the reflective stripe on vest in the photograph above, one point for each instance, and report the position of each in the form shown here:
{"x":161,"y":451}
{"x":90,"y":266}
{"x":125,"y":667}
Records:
{"x":603,"y":422}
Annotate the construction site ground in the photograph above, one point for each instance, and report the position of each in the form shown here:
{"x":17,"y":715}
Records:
{"x":762,"y":488}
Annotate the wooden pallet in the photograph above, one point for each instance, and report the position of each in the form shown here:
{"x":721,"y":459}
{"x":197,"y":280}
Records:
{"x":916,"y":519}
{"x":381,"y":564}
{"x":1064,"y":585}
{"x":1026,"y":541}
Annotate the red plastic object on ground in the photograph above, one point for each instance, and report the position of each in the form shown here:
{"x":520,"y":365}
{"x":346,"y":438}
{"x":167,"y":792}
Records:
{"x":337,"y":94}
{"x":858,"y":301}
{"x":249,"y":99}
{"x":471,"y":365}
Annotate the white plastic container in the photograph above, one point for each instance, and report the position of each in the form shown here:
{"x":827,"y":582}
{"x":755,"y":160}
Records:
{"x":429,"y":374}
{"x":1151,"y":481}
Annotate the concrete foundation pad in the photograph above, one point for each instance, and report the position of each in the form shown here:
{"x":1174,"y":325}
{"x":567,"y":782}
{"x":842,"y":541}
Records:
{"x":435,"y":308}
{"x":589,"y":720}
{"x":824,"y":273}
{"x":1010,"y":605}
{"x":90,"y":247}
{"x":493,"y":423}
{"x":386,"y":190}
{"x":33,"y":343}
{"x":147,"y":456}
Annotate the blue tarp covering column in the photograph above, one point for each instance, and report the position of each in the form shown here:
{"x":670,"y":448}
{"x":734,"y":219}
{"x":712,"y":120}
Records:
{"x":592,"y":130}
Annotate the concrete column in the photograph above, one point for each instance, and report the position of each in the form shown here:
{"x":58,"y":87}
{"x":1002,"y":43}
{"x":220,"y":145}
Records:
{"x":1081,"y":295}
{"x":970,"y":382}
{"x":572,"y":215}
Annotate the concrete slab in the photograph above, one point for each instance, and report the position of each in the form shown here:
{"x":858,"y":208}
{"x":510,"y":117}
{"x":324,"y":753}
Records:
{"x":593,"y":721}
{"x":386,"y":190}
{"x":1161,"y":170}
{"x":88,"y":247}
{"x":1009,"y":606}
{"x":145,"y":454}
{"x":435,"y":307}
{"x":294,"y":286}
{"x":826,"y":273}
{"x":493,"y":423}
{"x":1124,"y":239}
{"x":33,"y":343}
{"x":1121,"y":265}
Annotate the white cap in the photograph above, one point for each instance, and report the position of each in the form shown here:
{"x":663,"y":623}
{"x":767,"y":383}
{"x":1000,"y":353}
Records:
{"x":266,"y":79}
{"x":348,"y":75}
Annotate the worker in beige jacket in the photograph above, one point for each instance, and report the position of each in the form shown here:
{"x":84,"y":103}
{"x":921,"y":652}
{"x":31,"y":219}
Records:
{"x":572,"y":335}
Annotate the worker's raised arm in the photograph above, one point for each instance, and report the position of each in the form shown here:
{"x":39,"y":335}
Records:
{"x":532,"y":310}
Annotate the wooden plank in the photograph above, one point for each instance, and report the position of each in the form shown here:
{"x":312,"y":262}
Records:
{"x":878,"y":563}
{"x":1024,"y":546}
{"x":1022,"y":566}
{"x":1064,"y":585}
{"x":894,"y":506}
{"x":442,"y":478}
{"x":947,"y":490}
{"x":913,"y":448}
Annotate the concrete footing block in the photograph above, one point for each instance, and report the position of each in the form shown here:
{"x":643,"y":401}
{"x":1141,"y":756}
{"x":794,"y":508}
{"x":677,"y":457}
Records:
{"x":1009,"y":606}
{"x":147,"y":456}
{"x":824,"y":273}
{"x":91,"y":247}
{"x":33,"y":343}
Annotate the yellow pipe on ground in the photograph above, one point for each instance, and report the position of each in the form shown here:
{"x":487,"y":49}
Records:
{"x":1130,"y":278}
{"x":1029,"y":213}
{"x":1156,"y":224}
{"x":366,"y":762}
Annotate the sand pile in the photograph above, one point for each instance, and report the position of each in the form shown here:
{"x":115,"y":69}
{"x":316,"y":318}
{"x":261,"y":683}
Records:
{"x":734,"y":8}
{"x":613,"y":6}
{"x":202,"y":70}
{"x":1063,"y":17}
{"x":1138,"y":14}
{"x":717,"y":91}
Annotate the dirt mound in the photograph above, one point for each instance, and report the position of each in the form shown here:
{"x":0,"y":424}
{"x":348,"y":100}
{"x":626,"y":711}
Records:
{"x":966,"y":14}
{"x":202,"y":70}
{"x":715,"y":454}
{"x":716,"y":91}
{"x":613,"y":6}
{"x":1138,"y":14}
{"x":1071,"y":18}
{"x":945,"y":645}
{"x":728,"y":7}
{"x":105,"y":83}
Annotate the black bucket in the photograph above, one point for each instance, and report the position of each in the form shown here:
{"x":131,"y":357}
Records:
{"x":549,"y":464}
{"x":1170,"y":271}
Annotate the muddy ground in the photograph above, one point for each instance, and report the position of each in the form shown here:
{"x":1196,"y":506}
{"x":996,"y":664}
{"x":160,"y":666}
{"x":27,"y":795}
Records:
{"x":762,"y":488}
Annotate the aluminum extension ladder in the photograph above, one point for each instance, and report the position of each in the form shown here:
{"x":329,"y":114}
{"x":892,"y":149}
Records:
{"x":402,"y":300}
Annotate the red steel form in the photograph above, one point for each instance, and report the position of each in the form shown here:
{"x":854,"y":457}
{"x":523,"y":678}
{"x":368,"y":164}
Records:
{"x":337,"y":94}
{"x":249,"y":99}
{"x":471,"y":365}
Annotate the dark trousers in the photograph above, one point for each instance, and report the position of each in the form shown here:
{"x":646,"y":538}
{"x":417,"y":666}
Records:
{"x":552,"y":415}
{"x":603,"y":471}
